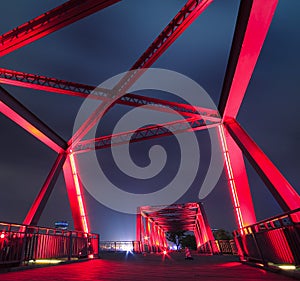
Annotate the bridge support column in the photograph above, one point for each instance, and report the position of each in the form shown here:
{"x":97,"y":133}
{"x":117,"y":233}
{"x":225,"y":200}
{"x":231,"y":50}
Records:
{"x":74,"y":189}
{"x":139,"y":232}
{"x":204,"y":234}
{"x":238,"y":180}
{"x":198,"y":235}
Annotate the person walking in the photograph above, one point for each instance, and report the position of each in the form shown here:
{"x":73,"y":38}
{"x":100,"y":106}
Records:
{"x":188,"y":255}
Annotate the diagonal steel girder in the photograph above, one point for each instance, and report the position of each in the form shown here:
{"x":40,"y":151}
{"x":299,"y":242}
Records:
{"x":51,"y":21}
{"x":191,"y":10}
{"x":18,"y":113}
{"x":253,"y":22}
{"x":184,"y":18}
{"x":38,"y":82}
{"x":147,"y":133}
{"x":284,"y":193}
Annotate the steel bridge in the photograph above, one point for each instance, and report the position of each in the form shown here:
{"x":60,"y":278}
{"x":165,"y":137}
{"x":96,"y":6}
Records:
{"x":252,"y":25}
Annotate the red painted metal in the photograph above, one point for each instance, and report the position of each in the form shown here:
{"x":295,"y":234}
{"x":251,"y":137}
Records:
{"x":208,"y":232}
{"x":181,"y":22}
{"x":49,"y":84}
{"x":139,"y":232}
{"x":147,"y":133}
{"x":237,"y":180}
{"x":74,"y":189}
{"x":252,"y":25}
{"x":33,"y":81}
{"x":281,"y":189}
{"x":150,"y":235}
{"x":274,"y":240}
{"x":184,"y":18}
{"x":40,"y":202}
{"x":51,"y":21}
{"x":15,"y":111}
{"x":176,"y":217}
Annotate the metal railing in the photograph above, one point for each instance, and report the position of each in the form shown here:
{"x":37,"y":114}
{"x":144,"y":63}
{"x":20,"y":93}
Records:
{"x":271,"y":241}
{"x":227,"y":247}
{"x":20,"y":244}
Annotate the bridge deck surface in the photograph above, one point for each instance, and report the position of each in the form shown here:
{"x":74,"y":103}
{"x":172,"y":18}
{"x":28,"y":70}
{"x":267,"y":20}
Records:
{"x":149,"y":267}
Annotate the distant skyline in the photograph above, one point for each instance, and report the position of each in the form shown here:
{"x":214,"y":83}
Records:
{"x":108,"y":43}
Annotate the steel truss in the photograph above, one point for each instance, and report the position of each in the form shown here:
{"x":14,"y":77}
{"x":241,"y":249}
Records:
{"x":54,"y":85}
{"x":147,"y":133}
{"x":49,"y":22}
{"x":153,"y":222}
{"x":181,"y":21}
{"x":252,"y":25}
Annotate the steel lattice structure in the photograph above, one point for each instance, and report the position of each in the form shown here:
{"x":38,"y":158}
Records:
{"x":154,"y":221}
{"x":253,"y":21}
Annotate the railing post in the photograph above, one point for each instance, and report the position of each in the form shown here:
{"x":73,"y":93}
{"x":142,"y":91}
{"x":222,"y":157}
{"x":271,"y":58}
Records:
{"x":70,"y":245}
{"x":23,"y":254}
{"x":294,"y":245}
{"x":257,"y":246}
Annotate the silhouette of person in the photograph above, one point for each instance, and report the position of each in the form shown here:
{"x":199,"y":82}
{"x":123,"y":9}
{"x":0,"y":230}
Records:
{"x":188,"y":255}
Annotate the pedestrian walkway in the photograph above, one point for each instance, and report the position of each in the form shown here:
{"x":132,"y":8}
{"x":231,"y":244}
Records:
{"x":149,"y":267}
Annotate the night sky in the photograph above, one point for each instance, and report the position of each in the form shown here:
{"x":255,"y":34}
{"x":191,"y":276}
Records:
{"x":108,"y":43}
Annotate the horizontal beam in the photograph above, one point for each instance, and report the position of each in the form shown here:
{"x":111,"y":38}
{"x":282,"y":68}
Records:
{"x":38,"y":82}
{"x":150,"y":132}
{"x":49,"y":22}
{"x":283,"y":192}
{"x":181,"y":21}
{"x":18,"y":113}
{"x":253,"y":22}
{"x":49,"y":84}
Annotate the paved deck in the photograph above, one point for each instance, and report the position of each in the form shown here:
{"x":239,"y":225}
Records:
{"x":150,"y":267}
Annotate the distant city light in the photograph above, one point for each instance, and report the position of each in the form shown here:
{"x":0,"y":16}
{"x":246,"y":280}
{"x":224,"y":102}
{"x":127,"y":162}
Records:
{"x":61,"y":225}
{"x":126,"y":248}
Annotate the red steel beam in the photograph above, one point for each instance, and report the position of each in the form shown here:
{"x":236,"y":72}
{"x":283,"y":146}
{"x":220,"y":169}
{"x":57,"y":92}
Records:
{"x":237,"y":180}
{"x":283,"y":192}
{"x":150,"y":132}
{"x":38,"y":82}
{"x":184,"y":18}
{"x":75,"y":194}
{"x":40,"y":202}
{"x":207,"y":228}
{"x":49,"y":84}
{"x":18,"y":113}
{"x":191,"y":10}
{"x":49,"y":22}
{"x":253,"y":22}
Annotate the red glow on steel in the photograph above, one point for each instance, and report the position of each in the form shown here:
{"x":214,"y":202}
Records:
{"x":231,"y":178}
{"x":262,"y":12}
{"x":280,"y":246}
{"x":191,"y":10}
{"x":18,"y":119}
{"x":51,"y":21}
{"x":283,"y":192}
{"x":78,"y":193}
{"x":38,"y":205}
